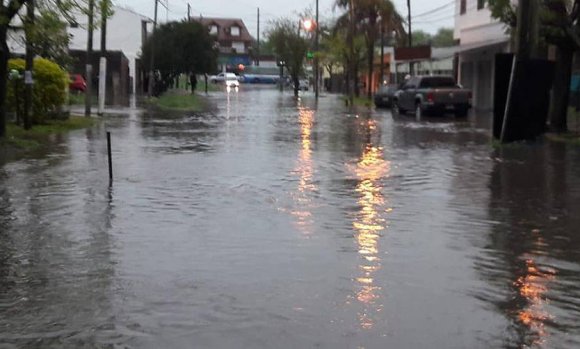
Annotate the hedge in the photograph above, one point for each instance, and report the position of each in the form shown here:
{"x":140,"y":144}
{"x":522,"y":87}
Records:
{"x":49,"y":89}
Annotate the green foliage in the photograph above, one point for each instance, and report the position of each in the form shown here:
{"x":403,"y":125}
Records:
{"x":179,"y":100}
{"x":289,"y":46}
{"x":421,"y":37}
{"x":443,"y":38}
{"x":49,"y":37}
{"x":181,"y":47}
{"x":28,"y":140}
{"x":49,"y":89}
{"x":504,"y":11}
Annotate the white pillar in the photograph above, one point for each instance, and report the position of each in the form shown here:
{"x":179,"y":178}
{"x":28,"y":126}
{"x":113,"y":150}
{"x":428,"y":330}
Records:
{"x":102,"y":85}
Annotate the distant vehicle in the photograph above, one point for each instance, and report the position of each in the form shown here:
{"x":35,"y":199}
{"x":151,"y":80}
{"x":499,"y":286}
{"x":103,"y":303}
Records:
{"x":383,"y":98}
{"x":231,"y":80}
{"x":77,"y":83}
{"x":432,"y":94}
{"x":259,"y":79}
{"x":221,"y":77}
{"x":303,"y":84}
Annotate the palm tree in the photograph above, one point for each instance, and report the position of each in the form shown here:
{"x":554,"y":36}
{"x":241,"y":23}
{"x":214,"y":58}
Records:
{"x":372,"y":16}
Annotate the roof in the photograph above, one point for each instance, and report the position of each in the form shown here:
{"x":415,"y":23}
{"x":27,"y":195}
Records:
{"x":224,"y":25}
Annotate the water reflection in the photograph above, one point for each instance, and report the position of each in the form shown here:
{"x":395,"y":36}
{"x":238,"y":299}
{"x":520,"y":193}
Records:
{"x":532,"y":288}
{"x":304,"y":171}
{"x":533,"y":246}
{"x":369,"y":222}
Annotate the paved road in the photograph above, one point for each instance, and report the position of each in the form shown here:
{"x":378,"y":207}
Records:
{"x":275,"y":223}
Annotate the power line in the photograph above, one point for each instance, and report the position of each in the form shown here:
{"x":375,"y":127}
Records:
{"x":437,"y":9}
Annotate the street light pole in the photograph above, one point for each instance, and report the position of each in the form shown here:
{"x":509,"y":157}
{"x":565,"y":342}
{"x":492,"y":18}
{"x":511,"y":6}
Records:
{"x":382,"y":70}
{"x":353,"y":78}
{"x":316,"y":43}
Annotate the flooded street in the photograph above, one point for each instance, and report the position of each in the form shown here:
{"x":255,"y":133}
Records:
{"x":276,"y":223}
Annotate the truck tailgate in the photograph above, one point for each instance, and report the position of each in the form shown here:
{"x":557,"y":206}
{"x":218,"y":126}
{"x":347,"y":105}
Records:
{"x":451,"y":96}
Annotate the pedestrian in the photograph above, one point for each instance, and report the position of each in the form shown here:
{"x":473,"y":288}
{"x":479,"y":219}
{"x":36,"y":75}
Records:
{"x":193,"y":82}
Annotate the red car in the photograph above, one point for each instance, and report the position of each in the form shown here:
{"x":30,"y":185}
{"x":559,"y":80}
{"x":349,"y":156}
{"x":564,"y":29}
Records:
{"x":77,"y":83}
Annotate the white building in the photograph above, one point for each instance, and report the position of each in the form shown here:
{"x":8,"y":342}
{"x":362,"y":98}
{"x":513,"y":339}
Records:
{"x":126,"y":31}
{"x":480,"y":37}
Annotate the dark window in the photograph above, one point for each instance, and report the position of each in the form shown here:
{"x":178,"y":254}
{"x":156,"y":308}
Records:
{"x":438,"y":81}
{"x":480,"y":4}
{"x":463,"y":7}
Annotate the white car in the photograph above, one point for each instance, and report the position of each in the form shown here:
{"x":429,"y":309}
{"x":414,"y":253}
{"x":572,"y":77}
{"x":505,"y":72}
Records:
{"x":231,"y":80}
{"x":221,"y":77}
{"x":304,"y":84}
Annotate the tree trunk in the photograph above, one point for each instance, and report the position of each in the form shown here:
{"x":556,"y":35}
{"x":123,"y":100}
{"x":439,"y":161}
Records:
{"x":296,"y":84}
{"x":558,"y":113}
{"x":370,"y":58}
{"x":4,"y":55}
{"x":371,"y":52}
{"x":356,"y":80}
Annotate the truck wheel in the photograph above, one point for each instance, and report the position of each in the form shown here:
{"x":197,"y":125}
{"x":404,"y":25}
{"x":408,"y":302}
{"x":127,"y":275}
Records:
{"x":396,"y":109}
{"x":418,"y":110}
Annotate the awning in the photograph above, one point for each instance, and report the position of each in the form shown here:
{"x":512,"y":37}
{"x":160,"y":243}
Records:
{"x":482,"y":44}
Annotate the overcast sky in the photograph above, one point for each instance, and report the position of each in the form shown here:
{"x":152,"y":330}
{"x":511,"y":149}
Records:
{"x":271,"y":9}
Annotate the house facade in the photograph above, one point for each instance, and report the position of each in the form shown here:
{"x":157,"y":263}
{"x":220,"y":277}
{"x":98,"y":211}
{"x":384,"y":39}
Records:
{"x":480,"y":38}
{"x":233,"y":39}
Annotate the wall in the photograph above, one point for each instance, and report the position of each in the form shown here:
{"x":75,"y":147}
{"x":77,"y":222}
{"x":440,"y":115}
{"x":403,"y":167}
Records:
{"x":476,"y":25}
{"x":124,"y":33}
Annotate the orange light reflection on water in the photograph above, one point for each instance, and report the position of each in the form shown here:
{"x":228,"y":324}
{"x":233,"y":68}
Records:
{"x":305,"y":172}
{"x":533,"y":287}
{"x":368,"y":225}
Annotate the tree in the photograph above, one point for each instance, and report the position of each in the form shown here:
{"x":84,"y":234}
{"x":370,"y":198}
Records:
{"x":443,"y":38}
{"x":560,"y":27}
{"x":181,"y":48}
{"x":367,"y":16}
{"x":421,"y":37}
{"x":49,"y":37}
{"x":289,"y":47}
{"x":9,"y":9}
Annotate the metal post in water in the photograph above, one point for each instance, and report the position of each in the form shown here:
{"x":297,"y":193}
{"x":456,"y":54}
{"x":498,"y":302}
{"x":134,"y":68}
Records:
{"x":110,"y":157}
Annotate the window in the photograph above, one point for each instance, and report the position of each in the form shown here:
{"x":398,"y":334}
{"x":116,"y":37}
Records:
{"x":238,"y":46}
{"x":463,"y":7}
{"x":438,"y":82}
{"x":235,"y":31}
{"x":480,"y":4}
{"x":213,"y":29}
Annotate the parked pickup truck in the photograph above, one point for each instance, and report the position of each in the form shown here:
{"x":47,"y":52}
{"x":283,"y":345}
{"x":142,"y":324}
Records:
{"x":432,"y":94}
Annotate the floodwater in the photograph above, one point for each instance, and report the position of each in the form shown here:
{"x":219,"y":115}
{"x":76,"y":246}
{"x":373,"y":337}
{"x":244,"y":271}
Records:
{"x":276,"y":223}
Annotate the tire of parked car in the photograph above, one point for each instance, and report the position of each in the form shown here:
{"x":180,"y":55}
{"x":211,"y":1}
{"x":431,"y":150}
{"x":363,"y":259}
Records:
{"x":396,"y":108}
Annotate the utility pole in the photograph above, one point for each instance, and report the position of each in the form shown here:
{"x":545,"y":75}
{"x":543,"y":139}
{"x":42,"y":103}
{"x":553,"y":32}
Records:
{"x":89,"y":66}
{"x":188,"y":12}
{"x":316,"y":44}
{"x":28,"y":78}
{"x":527,"y":29}
{"x":382,"y":69}
{"x":258,"y":43}
{"x":152,"y":59}
{"x":410,"y":33}
{"x":103,"y":62}
{"x":353,"y":78}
